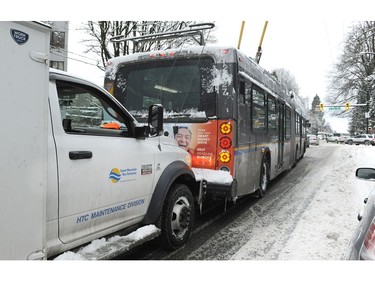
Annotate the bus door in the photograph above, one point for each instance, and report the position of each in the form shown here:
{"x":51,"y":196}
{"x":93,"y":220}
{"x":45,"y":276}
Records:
{"x":245,"y":151}
{"x":280,"y":139}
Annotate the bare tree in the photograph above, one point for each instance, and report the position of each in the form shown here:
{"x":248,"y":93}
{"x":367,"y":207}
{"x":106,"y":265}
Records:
{"x":287,"y":78}
{"x":352,"y":79}
{"x":101,"y":32}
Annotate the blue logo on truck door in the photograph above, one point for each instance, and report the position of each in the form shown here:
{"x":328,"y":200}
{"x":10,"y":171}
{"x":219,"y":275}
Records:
{"x":115,"y":175}
{"x":121,"y":175}
{"x":18,"y":36}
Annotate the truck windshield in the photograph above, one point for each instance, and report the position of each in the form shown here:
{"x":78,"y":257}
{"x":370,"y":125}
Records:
{"x":184,"y":87}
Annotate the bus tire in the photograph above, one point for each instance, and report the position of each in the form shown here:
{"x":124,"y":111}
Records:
{"x":177,"y":217}
{"x":264,"y":178}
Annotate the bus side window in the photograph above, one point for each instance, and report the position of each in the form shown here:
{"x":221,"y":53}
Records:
{"x":287,"y":123}
{"x":242,"y":92}
{"x":245,"y":92}
{"x":272,"y":119}
{"x":298,"y":122}
{"x":258,"y":110}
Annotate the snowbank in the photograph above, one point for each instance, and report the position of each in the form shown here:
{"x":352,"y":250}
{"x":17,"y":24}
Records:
{"x":328,"y":223}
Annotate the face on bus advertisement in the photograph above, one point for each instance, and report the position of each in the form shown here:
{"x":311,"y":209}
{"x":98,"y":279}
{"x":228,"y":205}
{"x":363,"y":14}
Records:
{"x":198,"y":140}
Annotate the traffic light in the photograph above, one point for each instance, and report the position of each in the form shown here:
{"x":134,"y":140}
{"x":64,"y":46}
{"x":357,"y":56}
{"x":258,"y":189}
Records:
{"x":347,"y":106}
{"x":321,"y":106}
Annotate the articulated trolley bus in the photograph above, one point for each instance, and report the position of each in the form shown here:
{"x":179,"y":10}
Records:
{"x":222,"y":107}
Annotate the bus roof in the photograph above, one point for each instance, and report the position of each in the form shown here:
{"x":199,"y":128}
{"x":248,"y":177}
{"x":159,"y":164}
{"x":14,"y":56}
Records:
{"x":221,"y":54}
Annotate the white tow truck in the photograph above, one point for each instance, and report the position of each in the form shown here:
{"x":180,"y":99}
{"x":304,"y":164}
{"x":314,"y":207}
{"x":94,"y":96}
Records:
{"x":75,"y":165}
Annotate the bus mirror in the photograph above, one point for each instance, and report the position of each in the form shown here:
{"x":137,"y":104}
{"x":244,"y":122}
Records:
{"x":155,"y":119}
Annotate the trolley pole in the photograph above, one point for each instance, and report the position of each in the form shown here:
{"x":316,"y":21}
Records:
{"x":241,"y":32}
{"x":259,"y":52}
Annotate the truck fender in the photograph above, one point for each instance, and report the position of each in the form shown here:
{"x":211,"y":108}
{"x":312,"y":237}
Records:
{"x":168,"y":177}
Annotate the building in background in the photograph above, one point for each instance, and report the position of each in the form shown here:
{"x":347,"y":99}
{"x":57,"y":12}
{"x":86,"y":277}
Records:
{"x":59,"y":45}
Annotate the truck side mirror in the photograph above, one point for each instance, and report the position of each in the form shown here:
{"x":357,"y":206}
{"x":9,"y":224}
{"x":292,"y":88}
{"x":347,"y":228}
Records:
{"x":155,"y":123}
{"x":155,"y":119}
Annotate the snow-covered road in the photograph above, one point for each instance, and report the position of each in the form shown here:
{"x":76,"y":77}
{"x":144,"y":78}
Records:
{"x":309,"y":213}
{"x":327,"y":199}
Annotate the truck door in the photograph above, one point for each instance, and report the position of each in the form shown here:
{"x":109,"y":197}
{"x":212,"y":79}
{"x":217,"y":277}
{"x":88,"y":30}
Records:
{"x":105,"y":174}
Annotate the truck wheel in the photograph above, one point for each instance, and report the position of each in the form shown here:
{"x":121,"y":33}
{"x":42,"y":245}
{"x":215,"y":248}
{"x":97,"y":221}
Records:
{"x":177,"y":217}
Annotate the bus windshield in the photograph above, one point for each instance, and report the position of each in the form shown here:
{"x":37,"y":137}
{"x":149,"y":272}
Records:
{"x":184,"y":87}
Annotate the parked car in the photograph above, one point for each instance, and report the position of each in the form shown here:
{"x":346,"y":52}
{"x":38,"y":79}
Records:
{"x":366,"y":139}
{"x":343,"y":138}
{"x":349,"y":140}
{"x":362,"y":245}
{"x":333,"y":137}
{"x":313,"y":139}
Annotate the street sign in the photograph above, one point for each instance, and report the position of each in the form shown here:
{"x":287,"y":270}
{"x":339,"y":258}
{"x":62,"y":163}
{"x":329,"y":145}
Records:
{"x":334,"y":108}
{"x":337,"y":107}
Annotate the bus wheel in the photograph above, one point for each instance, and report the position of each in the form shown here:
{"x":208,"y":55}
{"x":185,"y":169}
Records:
{"x":177,"y":217}
{"x":263,"y":178}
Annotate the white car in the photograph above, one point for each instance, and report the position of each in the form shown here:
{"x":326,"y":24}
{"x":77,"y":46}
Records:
{"x":366,"y":139}
{"x":362,"y":245}
{"x":313,"y":139}
{"x":343,"y":138}
{"x":333,"y":137}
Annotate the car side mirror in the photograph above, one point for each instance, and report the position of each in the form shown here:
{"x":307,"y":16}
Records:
{"x":365,"y":174}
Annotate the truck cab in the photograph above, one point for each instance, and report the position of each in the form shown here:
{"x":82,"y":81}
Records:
{"x":103,"y":166}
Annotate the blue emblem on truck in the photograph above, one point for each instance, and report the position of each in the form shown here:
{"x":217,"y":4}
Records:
{"x":115,"y":175}
{"x":19,"y":37}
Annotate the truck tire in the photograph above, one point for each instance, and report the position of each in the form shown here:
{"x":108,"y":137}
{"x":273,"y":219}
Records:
{"x":177,"y":217}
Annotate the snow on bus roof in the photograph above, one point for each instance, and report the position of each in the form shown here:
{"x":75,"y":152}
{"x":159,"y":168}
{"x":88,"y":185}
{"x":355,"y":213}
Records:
{"x":191,"y":50}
